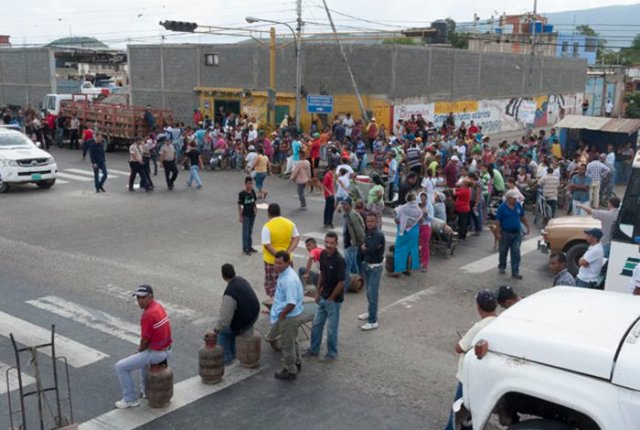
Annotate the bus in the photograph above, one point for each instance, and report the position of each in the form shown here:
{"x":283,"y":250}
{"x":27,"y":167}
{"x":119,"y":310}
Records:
{"x":624,"y":254}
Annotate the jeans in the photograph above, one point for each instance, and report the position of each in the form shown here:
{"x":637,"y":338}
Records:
{"x":141,"y":360}
{"x":352,"y":265}
{"x":329,"y":207}
{"x":247,"y":230}
{"x":154,"y":159}
{"x":73,"y":144}
{"x":510,"y":242}
{"x":60,"y":136}
{"x":99,"y":182}
{"x":313,"y":276}
{"x":227,"y":340}
{"x":260,"y":176}
{"x":326,"y":312}
{"x":606,"y":249}
{"x":476,"y":217}
{"x":451,"y":423}
{"x":170,"y":172}
{"x":195,"y":176}
{"x":85,"y":148}
{"x":372,"y":282}
{"x":583,"y":284}
{"x":553,"y":204}
{"x":303,"y":201}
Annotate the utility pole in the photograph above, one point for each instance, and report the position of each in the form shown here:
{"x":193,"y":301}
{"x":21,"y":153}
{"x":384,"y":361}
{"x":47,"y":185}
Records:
{"x":298,"y":68}
{"x":271,"y":94}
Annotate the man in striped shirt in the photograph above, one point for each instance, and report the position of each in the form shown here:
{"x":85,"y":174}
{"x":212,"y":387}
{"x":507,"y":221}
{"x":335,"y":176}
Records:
{"x":155,"y":346}
{"x":597,"y":171}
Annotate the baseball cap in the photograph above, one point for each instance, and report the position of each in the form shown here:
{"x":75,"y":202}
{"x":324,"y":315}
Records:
{"x":347,"y":200}
{"x":455,"y":158}
{"x":504,"y":293}
{"x":143,"y":291}
{"x":486,"y":300}
{"x":595,"y":232}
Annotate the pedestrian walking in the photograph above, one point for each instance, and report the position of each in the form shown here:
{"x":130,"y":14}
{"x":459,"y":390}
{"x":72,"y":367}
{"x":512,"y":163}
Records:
{"x":278,"y":234}
{"x":136,"y":165}
{"x":195,"y":164}
{"x":74,"y":128}
{"x":558,"y":266}
{"x":247,"y":212}
{"x":373,"y":255}
{"x":301,"y":175}
{"x":98,"y":161}
{"x":155,"y":346}
{"x":239,"y":311}
{"x":286,"y":315}
{"x":486,"y":305}
{"x":87,"y":137}
{"x":329,"y":191}
{"x":168,"y":160}
{"x":510,"y":217}
{"x":329,"y":297}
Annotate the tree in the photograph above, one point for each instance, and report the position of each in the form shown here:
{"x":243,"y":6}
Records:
{"x":631,"y":55}
{"x":586,"y":30}
{"x":458,"y":40}
{"x":633,"y":104}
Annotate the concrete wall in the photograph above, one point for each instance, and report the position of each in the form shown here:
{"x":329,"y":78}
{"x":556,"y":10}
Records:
{"x":165,"y":76}
{"x":26,"y":76}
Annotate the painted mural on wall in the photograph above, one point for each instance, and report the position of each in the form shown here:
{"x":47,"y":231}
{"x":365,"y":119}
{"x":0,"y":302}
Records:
{"x":497,"y":115}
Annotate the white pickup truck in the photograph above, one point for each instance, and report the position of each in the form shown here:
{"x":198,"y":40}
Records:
{"x":563,"y":358}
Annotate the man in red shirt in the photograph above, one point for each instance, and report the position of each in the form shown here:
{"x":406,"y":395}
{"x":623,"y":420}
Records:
{"x":155,"y":346}
{"x":329,"y":198}
{"x":87,"y":140}
{"x":306,"y":273}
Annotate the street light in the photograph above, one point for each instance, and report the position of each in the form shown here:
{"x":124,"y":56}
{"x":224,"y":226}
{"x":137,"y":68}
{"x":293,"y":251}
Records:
{"x":296,"y":39}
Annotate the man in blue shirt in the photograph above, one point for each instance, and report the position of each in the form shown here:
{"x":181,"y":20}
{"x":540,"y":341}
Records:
{"x":296,"y":146}
{"x":286,"y":313}
{"x":579,"y":187}
{"x":510,"y":217}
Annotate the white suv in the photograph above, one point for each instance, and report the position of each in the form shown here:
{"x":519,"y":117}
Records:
{"x":563,"y":358}
{"x":22,"y":162}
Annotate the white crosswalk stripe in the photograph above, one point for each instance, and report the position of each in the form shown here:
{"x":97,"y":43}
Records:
{"x":117,"y":172}
{"x":73,"y":177}
{"x":89,"y":317}
{"x":89,"y":172}
{"x":491,"y":262}
{"x":13,"y":379}
{"x":25,"y":333}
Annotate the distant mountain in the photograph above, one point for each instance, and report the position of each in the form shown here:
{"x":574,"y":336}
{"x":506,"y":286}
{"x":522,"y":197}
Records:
{"x":617,"y":24}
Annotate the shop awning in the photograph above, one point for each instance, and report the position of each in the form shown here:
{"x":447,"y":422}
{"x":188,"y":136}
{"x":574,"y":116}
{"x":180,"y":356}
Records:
{"x":608,"y":125}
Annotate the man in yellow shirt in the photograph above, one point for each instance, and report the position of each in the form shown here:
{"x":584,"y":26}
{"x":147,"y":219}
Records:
{"x":278,"y":234}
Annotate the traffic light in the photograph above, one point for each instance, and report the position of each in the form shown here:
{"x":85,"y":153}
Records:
{"x":186,"y":27}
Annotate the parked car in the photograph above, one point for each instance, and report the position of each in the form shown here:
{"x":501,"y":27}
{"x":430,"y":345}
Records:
{"x":563,"y":358}
{"x":22,"y":162}
{"x":566,"y":234}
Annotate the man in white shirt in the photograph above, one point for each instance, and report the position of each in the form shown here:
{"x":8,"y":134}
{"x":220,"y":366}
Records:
{"x":592,"y":260}
{"x":608,"y":108}
{"x":250,"y":159}
{"x":347,"y":123}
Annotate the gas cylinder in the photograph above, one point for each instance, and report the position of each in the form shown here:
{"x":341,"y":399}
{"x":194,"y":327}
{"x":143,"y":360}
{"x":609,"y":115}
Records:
{"x":158,"y":387}
{"x":248,"y":349}
{"x":356,"y":284}
{"x":211,"y":361}
{"x":388,"y":259}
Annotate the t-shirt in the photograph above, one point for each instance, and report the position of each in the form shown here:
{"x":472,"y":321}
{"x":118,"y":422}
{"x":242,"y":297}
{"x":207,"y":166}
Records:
{"x":463,"y":200}
{"x":595,"y":258}
{"x":295,"y":147}
{"x":333,"y":272}
{"x":413,"y":157}
{"x":466,"y":343}
{"x":343,"y":186}
{"x":510,"y":218}
{"x":580,"y":195}
{"x":87,"y":134}
{"x":327,"y":181}
{"x":498,"y":181}
{"x":289,"y":290}
{"x":248,"y":202}
{"x":550,"y":185}
{"x":194,"y":157}
{"x":155,"y":327}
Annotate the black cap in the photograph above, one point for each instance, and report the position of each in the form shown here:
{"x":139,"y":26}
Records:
{"x":143,"y":291}
{"x":486,"y":300}
{"x":504,"y":293}
{"x":595,"y":232}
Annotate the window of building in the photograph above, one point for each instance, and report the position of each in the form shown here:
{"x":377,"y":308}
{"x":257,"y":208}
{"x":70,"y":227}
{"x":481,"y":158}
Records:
{"x":590,"y":45}
{"x":565,"y":47}
{"x":576,"y":49}
{"x":211,"y":59}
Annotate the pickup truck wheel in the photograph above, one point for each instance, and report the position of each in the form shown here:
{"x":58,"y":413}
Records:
{"x":46,"y":184}
{"x":540,"y":425}
{"x":574,"y":253}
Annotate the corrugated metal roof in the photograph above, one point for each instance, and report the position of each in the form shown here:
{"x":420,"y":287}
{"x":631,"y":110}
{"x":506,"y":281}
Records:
{"x":610,"y":125}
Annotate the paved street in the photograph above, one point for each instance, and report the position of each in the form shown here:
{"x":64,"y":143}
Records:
{"x":70,"y":256}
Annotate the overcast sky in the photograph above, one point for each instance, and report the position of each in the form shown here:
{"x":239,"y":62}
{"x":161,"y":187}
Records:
{"x":118,"y":22}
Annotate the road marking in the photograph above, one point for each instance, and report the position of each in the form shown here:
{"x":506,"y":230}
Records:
{"x":184,"y":393}
{"x":172,"y":310}
{"x":61,"y":181}
{"x":88,"y":172}
{"x":92,"y":318}
{"x":408,"y":301}
{"x":119,"y":172}
{"x":13,"y":379}
{"x":491,"y":261}
{"x":28,"y":334}
{"x":73,"y":177}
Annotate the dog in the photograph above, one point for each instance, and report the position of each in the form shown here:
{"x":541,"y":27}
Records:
{"x":493,"y":227}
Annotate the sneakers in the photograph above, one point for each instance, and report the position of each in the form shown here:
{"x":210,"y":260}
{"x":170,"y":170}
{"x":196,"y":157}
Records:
{"x":517,"y":276}
{"x":122,"y":404}
{"x":369,"y":326}
{"x":285,"y":375}
{"x":364,"y":316}
{"x":501,"y":271}
{"x":309,"y":353}
{"x":327,"y":359}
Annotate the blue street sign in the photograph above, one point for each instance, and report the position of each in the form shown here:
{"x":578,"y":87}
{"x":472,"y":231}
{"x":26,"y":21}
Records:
{"x":320,"y":104}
